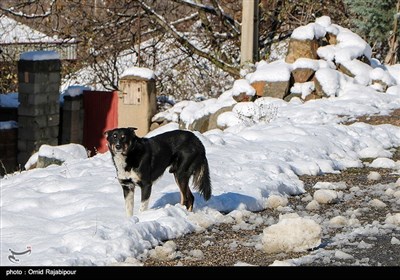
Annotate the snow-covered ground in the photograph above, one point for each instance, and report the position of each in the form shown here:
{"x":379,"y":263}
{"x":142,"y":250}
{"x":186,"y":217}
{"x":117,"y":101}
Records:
{"x":340,"y":221}
{"x":73,"y":214}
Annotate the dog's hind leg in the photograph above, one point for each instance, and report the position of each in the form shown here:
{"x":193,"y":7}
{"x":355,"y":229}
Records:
{"x":146,"y":191}
{"x":187,"y":197}
{"x":184,"y":170}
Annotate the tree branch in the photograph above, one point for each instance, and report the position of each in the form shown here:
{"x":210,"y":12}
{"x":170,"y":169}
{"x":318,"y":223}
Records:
{"x":235,"y":26}
{"x":220,"y":12}
{"x":184,"y":42}
{"x":44,"y":14}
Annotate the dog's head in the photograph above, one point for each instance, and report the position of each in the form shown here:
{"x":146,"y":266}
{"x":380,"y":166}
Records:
{"x":121,"y":140}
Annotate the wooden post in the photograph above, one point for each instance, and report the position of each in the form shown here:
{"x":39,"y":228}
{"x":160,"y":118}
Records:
{"x":256,"y":20}
{"x":249,"y":32}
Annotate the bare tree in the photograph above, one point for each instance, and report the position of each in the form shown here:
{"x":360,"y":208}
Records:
{"x":193,"y":46}
{"x":105,"y":29}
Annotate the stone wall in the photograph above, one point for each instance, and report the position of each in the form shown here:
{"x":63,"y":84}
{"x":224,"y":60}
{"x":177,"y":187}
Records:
{"x":38,"y":112}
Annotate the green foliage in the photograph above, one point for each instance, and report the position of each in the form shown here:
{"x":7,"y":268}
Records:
{"x":373,"y":19}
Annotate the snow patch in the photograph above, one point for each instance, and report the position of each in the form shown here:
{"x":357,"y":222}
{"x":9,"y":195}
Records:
{"x":291,"y":234}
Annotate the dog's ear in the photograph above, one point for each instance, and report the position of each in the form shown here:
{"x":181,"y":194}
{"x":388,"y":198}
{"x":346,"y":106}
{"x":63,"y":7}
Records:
{"x":132,"y":129}
{"x":106,"y":133}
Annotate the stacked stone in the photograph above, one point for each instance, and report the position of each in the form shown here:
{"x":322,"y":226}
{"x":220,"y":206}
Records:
{"x":39,"y":92}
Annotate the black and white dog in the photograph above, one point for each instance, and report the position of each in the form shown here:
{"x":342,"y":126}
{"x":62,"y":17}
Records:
{"x":141,"y":161}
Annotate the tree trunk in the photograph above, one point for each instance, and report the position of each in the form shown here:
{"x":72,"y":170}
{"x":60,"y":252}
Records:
{"x":392,"y":55}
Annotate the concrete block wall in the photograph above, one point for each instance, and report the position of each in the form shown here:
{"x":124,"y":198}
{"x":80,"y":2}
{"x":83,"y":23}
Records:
{"x":39,"y":109}
{"x":72,"y":120}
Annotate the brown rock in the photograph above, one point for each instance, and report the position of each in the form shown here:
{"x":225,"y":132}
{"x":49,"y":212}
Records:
{"x":302,"y":75}
{"x":312,"y":96}
{"x":271,"y":89}
{"x":301,"y":48}
{"x":331,"y":38}
{"x":344,"y":70}
{"x":214,"y":117}
{"x":243,"y":97}
{"x":382,"y":83}
{"x":200,"y":124}
{"x":319,"y":92}
{"x":292,"y":95}
{"x":259,"y":87}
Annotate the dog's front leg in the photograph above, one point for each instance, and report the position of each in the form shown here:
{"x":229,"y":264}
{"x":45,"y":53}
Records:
{"x":129,"y":195}
{"x":146,"y":191}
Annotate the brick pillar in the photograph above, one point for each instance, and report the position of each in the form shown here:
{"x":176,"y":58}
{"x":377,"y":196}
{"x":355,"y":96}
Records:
{"x":72,"y":123}
{"x":39,"y":81}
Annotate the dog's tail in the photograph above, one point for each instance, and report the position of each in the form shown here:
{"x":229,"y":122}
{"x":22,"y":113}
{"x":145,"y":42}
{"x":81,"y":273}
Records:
{"x":201,"y":179}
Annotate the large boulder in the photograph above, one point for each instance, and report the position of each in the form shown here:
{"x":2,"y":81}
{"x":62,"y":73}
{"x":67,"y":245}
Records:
{"x":212,"y":124}
{"x":206,"y":122}
{"x":200,"y":124}
{"x":271,"y":79}
{"x":48,"y":155}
